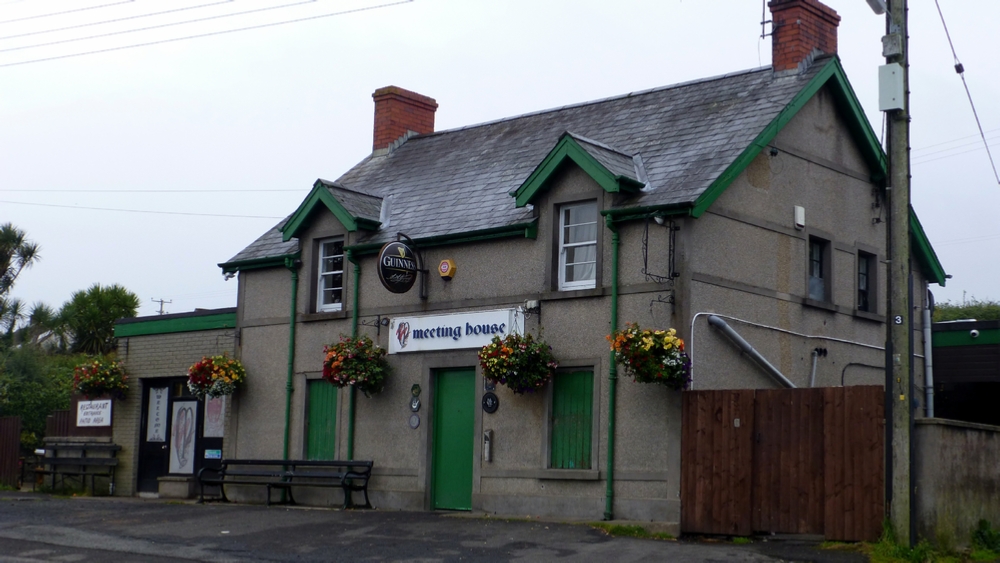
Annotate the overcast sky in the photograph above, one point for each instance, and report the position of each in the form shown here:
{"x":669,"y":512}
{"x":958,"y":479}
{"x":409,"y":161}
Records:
{"x":223,"y":135}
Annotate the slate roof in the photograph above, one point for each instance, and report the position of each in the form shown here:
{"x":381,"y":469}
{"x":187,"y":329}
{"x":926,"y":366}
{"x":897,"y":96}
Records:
{"x":616,"y":161}
{"x":683,"y":136}
{"x":358,"y":204}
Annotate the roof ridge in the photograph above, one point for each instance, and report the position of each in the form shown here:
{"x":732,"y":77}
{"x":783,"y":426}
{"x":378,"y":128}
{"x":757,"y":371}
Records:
{"x":598,"y":101}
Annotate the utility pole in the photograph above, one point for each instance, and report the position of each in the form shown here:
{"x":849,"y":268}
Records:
{"x":899,"y":384}
{"x":161,"y":302}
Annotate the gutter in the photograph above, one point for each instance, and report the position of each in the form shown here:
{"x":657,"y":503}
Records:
{"x":528,"y":229}
{"x":751,"y":351}
{"x":293,"y":266}
{"x":928,"y":360}
{"x":257,"y":263}
{"x":628,"y":213}
{"x":352,"y":394}
{"x":609,"y":495}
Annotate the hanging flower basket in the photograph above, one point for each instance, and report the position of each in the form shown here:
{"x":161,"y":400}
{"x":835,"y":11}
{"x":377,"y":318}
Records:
{"x":652,"y":356}
{"x":519,"y":362}
{"x":215,"y":376}
{"x":358,"y":362}
{"x":100,"y":377}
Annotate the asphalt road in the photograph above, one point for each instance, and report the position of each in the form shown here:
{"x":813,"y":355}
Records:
{"x":40,"y":528}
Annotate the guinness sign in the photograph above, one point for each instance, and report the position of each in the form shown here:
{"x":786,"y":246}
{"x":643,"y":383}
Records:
{"x":397,"y":267}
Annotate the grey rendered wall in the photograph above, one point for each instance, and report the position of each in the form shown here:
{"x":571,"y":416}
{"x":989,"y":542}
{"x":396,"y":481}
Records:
{"x":147,"y":358}
{"x":748,"y":261}
{"x":491,"y":275}
{"x":956,"y":479}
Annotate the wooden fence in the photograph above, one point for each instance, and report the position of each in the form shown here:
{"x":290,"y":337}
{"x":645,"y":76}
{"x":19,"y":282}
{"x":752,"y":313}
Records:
{"x":10,"y":450}
{"x":796,"y":461}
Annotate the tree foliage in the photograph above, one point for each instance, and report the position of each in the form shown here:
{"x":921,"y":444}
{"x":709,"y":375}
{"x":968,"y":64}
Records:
{"x":90,"y":316}
{"x":32,"y":385}
{"x":16,"y":254}
{"x":973,"y":309}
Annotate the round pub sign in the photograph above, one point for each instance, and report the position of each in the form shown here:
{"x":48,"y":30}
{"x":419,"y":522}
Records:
{"x":397,"y":267}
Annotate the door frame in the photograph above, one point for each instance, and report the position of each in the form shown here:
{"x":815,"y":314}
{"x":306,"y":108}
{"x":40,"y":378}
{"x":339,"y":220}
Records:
{"x":430,"y":363}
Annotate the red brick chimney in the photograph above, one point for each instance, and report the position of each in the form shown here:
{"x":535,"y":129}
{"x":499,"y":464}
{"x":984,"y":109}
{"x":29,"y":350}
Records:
{"x":398,"y":111}
{"x":798,"y":27}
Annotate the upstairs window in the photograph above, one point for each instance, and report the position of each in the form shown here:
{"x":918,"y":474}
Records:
{"x":819,"y":269}
{"x":578,"y":246}
{"x":866,"y":282}
{"x":330,"y":272}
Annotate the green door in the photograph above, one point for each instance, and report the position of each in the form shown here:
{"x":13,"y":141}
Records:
{"x":453,"y":440}
{"x":321,"y":436}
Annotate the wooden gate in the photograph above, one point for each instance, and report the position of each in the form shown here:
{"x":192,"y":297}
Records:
{"x":10,"y":450}
{"x":796,"y":461}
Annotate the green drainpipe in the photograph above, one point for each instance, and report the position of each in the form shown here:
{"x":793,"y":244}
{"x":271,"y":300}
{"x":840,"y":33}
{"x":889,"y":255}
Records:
{"x":354,"y":334}
{"x":293,"y":265}
{"x":612,"y":372}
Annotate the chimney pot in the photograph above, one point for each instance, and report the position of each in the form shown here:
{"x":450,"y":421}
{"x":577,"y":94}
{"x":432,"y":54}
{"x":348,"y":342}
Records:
{"x":398,"y":111}
{"x":798,"y":28}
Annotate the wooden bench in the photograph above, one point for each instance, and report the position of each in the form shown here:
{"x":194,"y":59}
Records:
{"x":77,"y":459}
{"x":284,"y":474}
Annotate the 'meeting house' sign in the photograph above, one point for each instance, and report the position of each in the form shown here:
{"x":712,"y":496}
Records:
{"x":453,"y":331}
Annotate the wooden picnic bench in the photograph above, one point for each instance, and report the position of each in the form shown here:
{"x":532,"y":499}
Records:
{"x":79,"y":459}
{"x":284,"y":474}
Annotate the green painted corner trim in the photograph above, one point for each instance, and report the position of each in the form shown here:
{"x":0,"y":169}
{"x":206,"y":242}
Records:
{"x":931,"y":266}
{"x":184,"y":324}
{"x":832,"y":73}
{"x":256,"y":263}
{"x":526,"y":230}
{"x":946,"y":338}
{"x":320,"y":194}
{"x":568,"y":148}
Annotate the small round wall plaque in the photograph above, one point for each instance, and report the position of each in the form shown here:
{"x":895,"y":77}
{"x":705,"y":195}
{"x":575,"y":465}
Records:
{"x":414,"y":420}
{"x":490,"y":402}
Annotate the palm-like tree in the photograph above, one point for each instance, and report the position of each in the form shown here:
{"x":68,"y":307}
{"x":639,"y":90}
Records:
{"x":90,"y":315}
{"x":16,"y":254}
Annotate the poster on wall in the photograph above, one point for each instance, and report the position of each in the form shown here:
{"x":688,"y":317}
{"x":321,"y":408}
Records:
{"x":156,"y":415}
{"x":93,"y":413}
{"x":215,"y":418}
{"x":182,"y":428}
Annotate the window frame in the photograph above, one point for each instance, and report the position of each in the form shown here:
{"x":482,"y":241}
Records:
{"x":870,"y":258}
{"x":591,"y":472}
{"x":825,"y":264}
{"x":318,"y":305}
{"x":560,"y":246}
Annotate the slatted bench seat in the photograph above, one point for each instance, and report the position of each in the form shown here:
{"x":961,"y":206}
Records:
{"x":350,"y":476}
{"x":79,"y":459}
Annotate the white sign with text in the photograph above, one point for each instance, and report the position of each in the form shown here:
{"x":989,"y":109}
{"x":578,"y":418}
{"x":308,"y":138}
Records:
{"x":93,"y":413}
{"x":156,"y":417}
{"x":453,"y":331}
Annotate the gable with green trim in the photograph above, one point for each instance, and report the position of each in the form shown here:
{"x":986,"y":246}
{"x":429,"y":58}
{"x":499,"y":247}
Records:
{"x":567,"y":150}
{"x":321,"y":197}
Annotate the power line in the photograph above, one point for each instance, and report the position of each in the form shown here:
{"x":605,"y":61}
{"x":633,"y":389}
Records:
{"x":116,"y":20}
{"x":952,"y":141}
{"x":161,"y":26}
{"x":961,"y":72}
{"x":143,"y":211}
{"x":210,"y":34}
{"x":147,"y":191}
{"x":67,"y":11}
{"x":926,"y":160}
